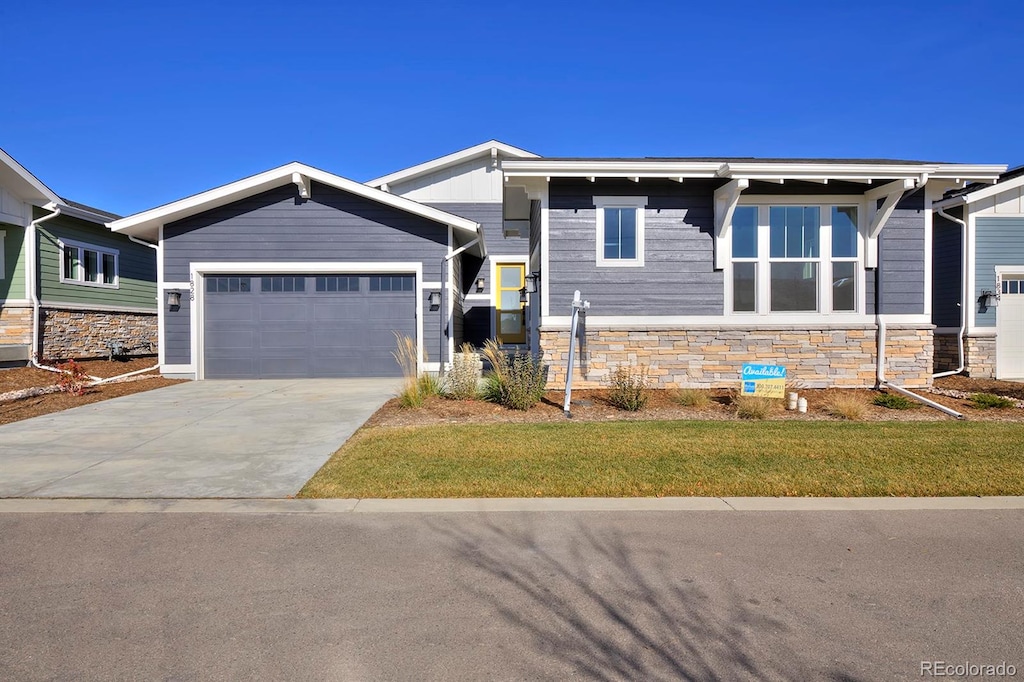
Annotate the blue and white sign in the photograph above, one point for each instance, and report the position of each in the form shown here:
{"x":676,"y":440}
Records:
{"x":764,"y":380}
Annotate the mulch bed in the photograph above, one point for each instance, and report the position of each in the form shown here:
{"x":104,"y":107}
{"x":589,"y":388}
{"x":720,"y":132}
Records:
{"x":593,"y":405}
{"x":29,"y":377}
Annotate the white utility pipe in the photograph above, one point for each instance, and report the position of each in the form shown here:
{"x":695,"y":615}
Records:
{"x":32,"y":265}
{"x":963,"y":296}
{"x":880,"y":356}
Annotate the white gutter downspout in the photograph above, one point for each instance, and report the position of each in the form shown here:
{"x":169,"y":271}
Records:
{"x":158,"y":303}
{"x":32,"y":263}
{"x":963,"y":295}
{"x":880,"y":355}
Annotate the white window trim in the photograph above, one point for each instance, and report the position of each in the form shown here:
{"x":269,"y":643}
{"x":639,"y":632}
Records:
{"x":3,"y":255}
{"x":824,"y":259}
{"x":638,"y":203}
{"x":101,"y":251}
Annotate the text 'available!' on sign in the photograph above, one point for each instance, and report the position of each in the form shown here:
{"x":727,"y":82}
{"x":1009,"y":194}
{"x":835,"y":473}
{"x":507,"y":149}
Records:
{"x":764,"y":380}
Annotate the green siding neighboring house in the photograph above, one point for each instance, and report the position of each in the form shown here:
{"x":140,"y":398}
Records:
{"x":135,"y":287}
{"x":12,"y":272}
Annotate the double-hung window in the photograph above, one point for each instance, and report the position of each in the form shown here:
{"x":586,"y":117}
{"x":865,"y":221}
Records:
{"x":620,"y":231}
{"x":88,"y":265}
{"x":795,"y":258}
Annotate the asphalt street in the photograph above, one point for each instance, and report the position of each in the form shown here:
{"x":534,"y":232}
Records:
{"x":798,"y":595}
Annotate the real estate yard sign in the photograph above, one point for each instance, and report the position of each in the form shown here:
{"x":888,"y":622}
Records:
{"x":764,"y":380}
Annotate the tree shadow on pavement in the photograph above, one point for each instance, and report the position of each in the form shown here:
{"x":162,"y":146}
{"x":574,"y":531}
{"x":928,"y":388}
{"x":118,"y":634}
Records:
{"x":595,"y":607}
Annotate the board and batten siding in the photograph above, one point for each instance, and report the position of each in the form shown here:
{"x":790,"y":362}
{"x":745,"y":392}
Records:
{"x":278,"y":226}
{"x":947,"y":260}
{"x":997,"y":241}
{"x":678,"y":277}
{"x":12,"y":284}
{"x":136,"y":265}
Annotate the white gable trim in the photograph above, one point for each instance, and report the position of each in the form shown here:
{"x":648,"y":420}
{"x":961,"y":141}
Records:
{"x":492,"y":148}
{"x":18,"y":180}
{"x":147,"y":223}
{"x":982,"y":193}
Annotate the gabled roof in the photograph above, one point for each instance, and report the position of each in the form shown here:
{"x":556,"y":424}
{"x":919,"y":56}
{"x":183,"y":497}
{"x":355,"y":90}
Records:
{"x":147,"y":223}
{"x":16,"y":177}
{"x":490,"y":148}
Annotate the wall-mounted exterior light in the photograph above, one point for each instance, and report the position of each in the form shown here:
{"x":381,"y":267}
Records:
{"x":173,"y":299}
{"x":523,"y":295}
{"x":988,"y":299}
{"x":434,"y":299}
{"x":479,"y":284}
{"x":531,"y":282}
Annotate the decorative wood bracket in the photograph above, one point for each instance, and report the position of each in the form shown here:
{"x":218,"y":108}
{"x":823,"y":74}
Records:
{"x":726,"y":198}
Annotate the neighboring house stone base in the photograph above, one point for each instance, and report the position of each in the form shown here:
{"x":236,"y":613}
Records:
{"x":712,"y":357}
{"x":88,"y":334}
{"x":981,"y":357}
{"x":15,"y":326}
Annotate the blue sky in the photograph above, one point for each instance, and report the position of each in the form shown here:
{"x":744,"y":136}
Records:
{"x":127,"y":105}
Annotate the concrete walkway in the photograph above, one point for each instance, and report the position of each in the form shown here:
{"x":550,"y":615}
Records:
{"x":235,"y":439}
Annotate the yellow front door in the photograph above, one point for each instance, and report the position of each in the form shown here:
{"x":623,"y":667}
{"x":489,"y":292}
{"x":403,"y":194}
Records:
{"x":510,"y":319}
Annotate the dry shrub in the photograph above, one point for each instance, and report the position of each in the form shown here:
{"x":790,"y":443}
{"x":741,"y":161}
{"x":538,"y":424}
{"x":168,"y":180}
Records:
{"x":693,"y":397}
{"x":516,"y":381}
{"x":846,"y":406}
{"x":73,"y":378}
{"x":628,"y":388}
{"x":462,"y":379}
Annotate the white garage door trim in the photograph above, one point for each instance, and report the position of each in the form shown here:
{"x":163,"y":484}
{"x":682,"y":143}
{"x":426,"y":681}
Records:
{"x":197,"y":271}
{"x":1009,"y":324}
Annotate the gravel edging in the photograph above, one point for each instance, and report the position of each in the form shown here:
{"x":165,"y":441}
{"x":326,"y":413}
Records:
{"x":965,"y":395}
{"x":34,"y":391}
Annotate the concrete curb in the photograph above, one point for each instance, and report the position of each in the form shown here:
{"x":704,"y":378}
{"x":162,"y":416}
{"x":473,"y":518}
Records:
{"x":548,"y":504}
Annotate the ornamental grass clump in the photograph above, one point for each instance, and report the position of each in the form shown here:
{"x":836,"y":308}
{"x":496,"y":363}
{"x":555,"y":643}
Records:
{"x":984,"y":401}
{"x":693,"y":397}
{"x":516,"y":380}
{"x":846,"y":406}
{"x":461,"y":381}
{"x":753,"y":406}
{"x":628,"y":387}
{"x":415,"y":388}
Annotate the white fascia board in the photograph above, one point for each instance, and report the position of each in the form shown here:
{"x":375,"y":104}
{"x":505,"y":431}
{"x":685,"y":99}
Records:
{"x":83,"y":214}
{"x":990,"y":191}
{"x":814,"y":172}
{"x":19,"y":180}
{"x":610,"y":169}
{"x":452,"y":159}
{"x":971,"y":172}
{"x":147,"y":223}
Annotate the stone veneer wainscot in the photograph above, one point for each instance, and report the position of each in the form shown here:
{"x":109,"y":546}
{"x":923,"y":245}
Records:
{"x":711,"y":357}
{"x":85,"y":334}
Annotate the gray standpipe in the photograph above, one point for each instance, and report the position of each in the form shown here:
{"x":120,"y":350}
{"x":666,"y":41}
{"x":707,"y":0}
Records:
{"x":579,"y":307}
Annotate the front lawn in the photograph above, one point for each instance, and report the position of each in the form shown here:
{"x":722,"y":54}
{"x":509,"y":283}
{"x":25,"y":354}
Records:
{"x":678,"y":458}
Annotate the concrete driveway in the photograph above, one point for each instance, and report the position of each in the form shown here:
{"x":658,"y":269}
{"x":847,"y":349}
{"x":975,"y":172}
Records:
{"x":197,"y":439}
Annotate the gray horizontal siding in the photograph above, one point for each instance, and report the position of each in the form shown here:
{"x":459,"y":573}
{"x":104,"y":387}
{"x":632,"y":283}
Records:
{"x":490,"y":217}
{"x":998,"y":241}
{"x":332,"y":226}
{"x":678,"y":277}
{"x":901,"y":259}
{"x":946,"y":279}
{"x":178,"y":333}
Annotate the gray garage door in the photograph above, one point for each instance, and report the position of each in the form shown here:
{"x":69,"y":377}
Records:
{"x":283,"y":327}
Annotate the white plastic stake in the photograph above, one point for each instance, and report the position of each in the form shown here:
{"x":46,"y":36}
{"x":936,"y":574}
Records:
{"x":578,"y":306}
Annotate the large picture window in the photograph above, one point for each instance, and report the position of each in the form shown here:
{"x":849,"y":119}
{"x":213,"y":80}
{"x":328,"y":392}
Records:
{"x":620,"y":230}
{"x":88,"y":265}
{"x":795,"y":259}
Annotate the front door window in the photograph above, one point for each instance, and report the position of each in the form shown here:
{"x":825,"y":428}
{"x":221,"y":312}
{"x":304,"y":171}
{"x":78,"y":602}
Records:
{"x":511,"y":321}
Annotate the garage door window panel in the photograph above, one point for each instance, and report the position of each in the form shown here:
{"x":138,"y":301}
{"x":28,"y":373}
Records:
{"x":282,"y":284}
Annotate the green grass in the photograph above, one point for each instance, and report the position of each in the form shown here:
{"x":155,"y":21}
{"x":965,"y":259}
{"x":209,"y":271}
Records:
{"x":642,"y":459}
